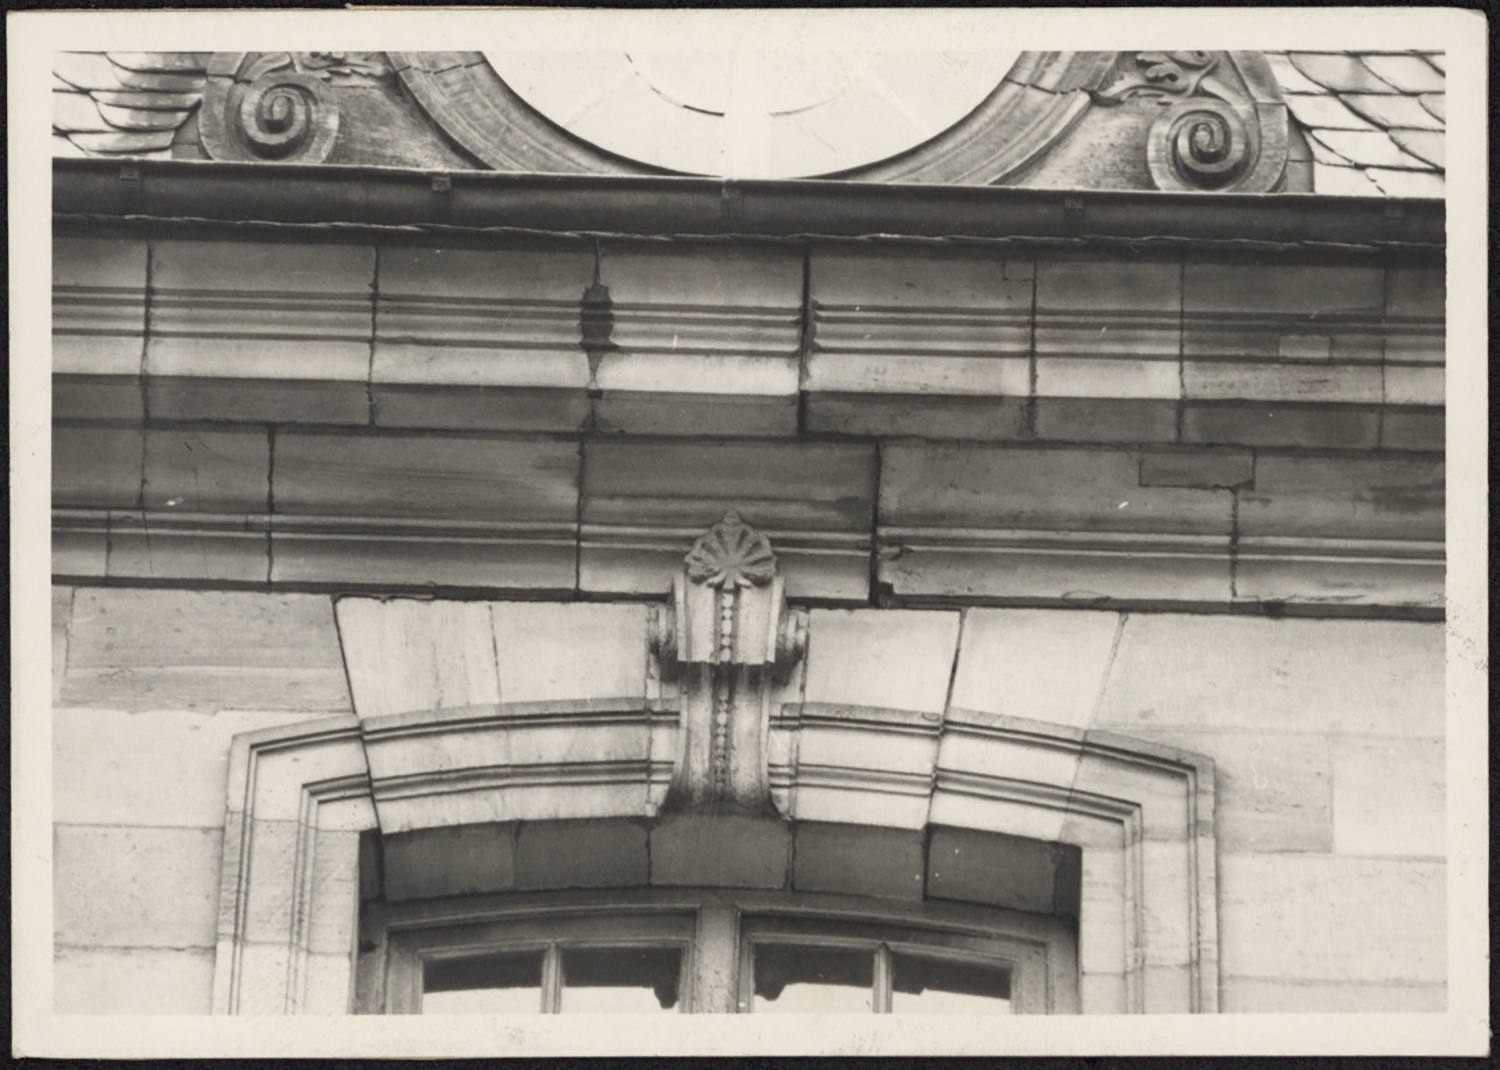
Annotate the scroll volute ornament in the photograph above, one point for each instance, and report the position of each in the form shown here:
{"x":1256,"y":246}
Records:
{"x":726,"y":638}
{"x":1222,"y":125}
{"x":280,"y":107}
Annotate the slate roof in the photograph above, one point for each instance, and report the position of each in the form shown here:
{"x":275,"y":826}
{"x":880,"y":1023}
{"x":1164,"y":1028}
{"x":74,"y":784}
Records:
{"x":1373,"y":122}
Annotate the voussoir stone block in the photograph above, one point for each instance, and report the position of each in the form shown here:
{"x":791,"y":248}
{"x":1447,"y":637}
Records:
{"x":858,"y":860}
{"x":720,"y":852}
{"x":457,"y":860}
{"x":1043,"y":664}
{"x":409,"y":654}
{"x":581,"y":854}
{"x":996,"y":869}
{"x":901,"y":659}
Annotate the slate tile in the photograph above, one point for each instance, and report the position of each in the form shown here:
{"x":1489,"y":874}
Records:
{"x":1424,"y":144}
{"x":1343,"y":181}
{"x":1368,"y":148}
{"x":1339,"y":71}
{"x":1324,"y":112}
{"x":1409,"y":74}
{"x":1387,"y":111}
{"x":1407,"y":183}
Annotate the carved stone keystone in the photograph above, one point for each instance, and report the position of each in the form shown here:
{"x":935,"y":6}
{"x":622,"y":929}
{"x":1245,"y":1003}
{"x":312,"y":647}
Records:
{"x":727,"y":637}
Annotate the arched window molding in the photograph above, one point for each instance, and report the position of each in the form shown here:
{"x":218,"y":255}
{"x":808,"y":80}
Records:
{"x":1141,"y":814}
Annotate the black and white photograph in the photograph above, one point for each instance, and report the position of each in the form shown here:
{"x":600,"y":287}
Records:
{"x":872,"y":517}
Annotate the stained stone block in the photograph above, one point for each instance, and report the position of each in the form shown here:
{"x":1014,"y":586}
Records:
{"x":915,"y":415}
{"x":135,"y":887}
{"x":1413,"y":430}
{"x":207,"y":471}
{"x":1095,"y":419}
{"x":1341,"y":383}
{"x":98,"y":306}
{"x":1406,"y":385}
{"x":1352,"y":498}
{"x":1280,"y":424}
{"x":692,"y":413}
{"x":252,"y":400}
{"x":479,"y":408}
{"x":858,"y":860}
{"x":995,"y":869}
{"x":458,"y":860}
{"x":1295,"y":296}
{"x":581,"y":854}
{"x":720,"y":852}
{"x":1198,"y":468}
{"x":97,"y":397}
{"x":96,"y":467}
{"x":1092,"y":377}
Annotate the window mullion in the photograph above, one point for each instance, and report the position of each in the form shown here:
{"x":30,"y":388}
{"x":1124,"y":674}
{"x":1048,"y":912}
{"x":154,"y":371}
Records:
{"x":882,"y":994}
{"x":552,"y":980}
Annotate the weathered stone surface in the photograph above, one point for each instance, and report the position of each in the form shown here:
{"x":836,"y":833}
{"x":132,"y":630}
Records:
{"x":1105,"y":419}
{"x":251,"y":400}
{"x":1117,"y":377}
{"x":1388,"y":796}
{"x":1198,"y":468}
{"x":686,"y":412}
{"x":508,"y":506}
{"x":1413,"y":385}
{"x":207,"y":471}
{"x":1109,"y":309}
{"x":62,"y":612}
{"x":581,"y":854}
{"x":97,"y":397}
{"x":190,"y":650}
{"x":103,"y":762}
{"x":405,"y":654}
{"x":1252,"y":995}
{"x":1273,"y":789}
{"x":868,"y":657}
{"x":1355,"y":676}
{"x":905,"y":415}
{"x":1045,"y":489}
{"x":135,"y":887}
{"x":857,"y":860}
{"x":1298,"y":299}
{"x":1406,"y":430}
{"x":720,"y":851}
{"x":97,"y":980}
{"x":1352,"y":498}
{"x":1330,"y":918}
{"x":479,"y":408}
{"x":995,"y":869}
{"x":1044,"y":664}
{"x":96,"y":467}
{"x":1416,"y":302}
{"x":458,"y":860}
{"x":1358,"y":384}
{"x":570,"y":651}
{"x":98,"y":306}
{"x":1280,"y":424}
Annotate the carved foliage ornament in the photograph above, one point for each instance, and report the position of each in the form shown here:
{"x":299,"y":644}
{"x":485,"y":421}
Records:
{"x":727,"y":637}
{"x":280,"y":106}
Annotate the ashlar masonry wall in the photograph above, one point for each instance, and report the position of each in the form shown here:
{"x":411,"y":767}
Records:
{"x":1327,"y":737}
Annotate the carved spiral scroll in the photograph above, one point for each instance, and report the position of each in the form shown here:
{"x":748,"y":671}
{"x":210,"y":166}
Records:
{"x":1201,"y":144}
{"x":281,"y":115}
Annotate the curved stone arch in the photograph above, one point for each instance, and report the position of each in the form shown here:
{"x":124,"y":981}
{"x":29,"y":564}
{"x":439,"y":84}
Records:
{"x":299,"y":797}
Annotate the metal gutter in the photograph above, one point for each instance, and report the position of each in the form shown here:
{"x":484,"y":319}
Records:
{"x":210,"y":191}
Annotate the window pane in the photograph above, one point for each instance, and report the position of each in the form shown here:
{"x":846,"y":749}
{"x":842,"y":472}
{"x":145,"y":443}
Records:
{"x":793,"y":979}
{"x":496,"y":983}
{"x":620,"y":980}
{"x":921,"y":985}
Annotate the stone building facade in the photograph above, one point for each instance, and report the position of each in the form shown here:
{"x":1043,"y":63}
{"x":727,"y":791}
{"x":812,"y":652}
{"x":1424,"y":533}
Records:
{"x":1013,"y":545}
